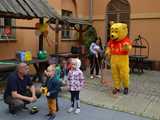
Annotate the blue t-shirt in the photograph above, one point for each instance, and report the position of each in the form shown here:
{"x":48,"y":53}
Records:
{"x":14,"y":83}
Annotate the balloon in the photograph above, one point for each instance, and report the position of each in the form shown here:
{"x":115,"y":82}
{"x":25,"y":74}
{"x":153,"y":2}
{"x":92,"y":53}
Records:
{"x":43,"y":27}
{"x":42,"y":55}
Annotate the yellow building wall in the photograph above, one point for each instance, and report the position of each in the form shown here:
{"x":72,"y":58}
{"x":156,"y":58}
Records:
{"x":145,"y":20}
{"x":28,"y":40}
{"x":25,"y":40}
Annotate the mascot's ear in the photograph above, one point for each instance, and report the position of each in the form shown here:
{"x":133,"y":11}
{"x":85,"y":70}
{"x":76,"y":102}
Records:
{"x":125,"y":28}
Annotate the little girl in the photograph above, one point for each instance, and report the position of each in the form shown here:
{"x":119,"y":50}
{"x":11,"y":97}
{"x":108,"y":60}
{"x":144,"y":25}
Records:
{"x":75,"y":83}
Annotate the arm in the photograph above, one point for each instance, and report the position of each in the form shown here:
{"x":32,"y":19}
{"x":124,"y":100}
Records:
{"x":127,"y":45}
{"x":81,"y":79}
{"x":13,"y":85}
{"x":91,"y":48}
{"x":19,"y":96}
{"x":32,"y":89}
{"x":108,"y":49}
{"x":107,"y":52}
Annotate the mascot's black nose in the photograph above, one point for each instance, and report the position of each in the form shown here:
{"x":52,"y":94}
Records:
{"x":112,"y":36}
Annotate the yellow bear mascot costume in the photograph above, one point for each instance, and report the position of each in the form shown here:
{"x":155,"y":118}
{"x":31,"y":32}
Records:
{"x":117,"y":49}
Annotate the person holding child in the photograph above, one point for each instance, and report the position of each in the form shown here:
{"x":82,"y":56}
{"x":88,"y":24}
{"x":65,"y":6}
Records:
{"x":75,"y":84}
{"x":96,"y":51}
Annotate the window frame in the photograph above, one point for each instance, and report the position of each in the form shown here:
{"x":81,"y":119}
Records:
{"x":66,"y":33}
{"x":12,"y":36}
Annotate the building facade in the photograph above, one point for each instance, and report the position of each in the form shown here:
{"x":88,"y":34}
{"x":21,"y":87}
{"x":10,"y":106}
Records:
{"x":142,"y":17}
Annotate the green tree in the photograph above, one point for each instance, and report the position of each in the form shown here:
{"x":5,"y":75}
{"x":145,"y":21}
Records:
{"x":89,"y":36}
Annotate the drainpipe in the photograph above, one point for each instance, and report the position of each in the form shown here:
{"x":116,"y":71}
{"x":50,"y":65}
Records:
{"x":91,"y":11}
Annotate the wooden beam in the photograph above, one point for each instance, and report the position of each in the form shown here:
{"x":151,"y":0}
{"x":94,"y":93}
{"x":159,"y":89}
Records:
{"x":57,"y":36}
{"x":20,"y":27}
{"x":41,"y":20}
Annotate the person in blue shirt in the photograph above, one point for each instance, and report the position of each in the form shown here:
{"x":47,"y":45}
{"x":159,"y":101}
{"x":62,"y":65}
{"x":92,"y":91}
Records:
{"x":20,"y":90}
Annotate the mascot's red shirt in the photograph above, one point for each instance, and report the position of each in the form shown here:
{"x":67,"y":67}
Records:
{"x":116,"y":47}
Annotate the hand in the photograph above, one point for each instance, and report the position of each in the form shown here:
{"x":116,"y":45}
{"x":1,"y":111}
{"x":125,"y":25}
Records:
{"x":96,"y":55}
{"x":64,"y":88}
{"x":97,"y":50}
{"x":46,"y":73}
{"x":32,"y":99}
{"x":64,"y":82}
{"x":126,"y":47}
{"x":48,"y":94}
{"x":44,"y":90}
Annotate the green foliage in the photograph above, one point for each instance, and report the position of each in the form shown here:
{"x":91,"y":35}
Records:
{"x":89,"y":36}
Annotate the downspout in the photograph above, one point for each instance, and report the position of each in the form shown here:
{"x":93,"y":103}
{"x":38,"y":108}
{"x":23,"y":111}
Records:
{"x":91,"y":11}
{"x":75,"y":7}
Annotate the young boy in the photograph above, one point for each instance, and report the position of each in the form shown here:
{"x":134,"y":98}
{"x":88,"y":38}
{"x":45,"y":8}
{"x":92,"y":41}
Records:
{"x":53,"y":88}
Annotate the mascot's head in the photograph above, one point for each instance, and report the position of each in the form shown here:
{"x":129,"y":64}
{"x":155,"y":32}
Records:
{"x":118,"y":31}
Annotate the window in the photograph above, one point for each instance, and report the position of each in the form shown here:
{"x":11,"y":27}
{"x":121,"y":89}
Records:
{"x":66,"y":32}
{"x":7,"y":33}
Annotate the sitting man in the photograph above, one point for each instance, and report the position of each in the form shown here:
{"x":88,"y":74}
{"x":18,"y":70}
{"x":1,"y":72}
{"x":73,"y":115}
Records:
{"x":20,"y":89}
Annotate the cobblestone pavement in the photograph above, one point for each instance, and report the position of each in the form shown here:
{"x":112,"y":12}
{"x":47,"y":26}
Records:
{"x":143,"y":98}
{"x":96,"y":112}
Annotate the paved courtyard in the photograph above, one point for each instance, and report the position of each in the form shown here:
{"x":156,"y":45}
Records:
{"x":142,"y":100}
{"x":88,"y":112}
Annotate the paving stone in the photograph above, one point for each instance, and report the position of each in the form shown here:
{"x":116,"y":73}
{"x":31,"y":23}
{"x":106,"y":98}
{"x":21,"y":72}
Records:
{"x":143,"y":98}
{"x":153,"y":109}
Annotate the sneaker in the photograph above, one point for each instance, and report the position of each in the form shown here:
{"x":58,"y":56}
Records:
{"x":98,"y":76}
{"x":49,"y":114}
{"x":24,"y":108}
{"x":12,"y":110}
{"x":52,"y":117}
{"x":116,"y":91}
{"x":71,"y":109}
{"x":125,"y":91}
{"x":91,"y":77}
{"x":77,"y":111}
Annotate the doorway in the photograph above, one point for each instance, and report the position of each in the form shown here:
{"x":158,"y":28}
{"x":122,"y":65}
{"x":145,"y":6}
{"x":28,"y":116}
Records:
{"x":117,"y":11}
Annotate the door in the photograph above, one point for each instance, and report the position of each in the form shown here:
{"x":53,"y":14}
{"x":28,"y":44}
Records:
{"x":117,"y":11}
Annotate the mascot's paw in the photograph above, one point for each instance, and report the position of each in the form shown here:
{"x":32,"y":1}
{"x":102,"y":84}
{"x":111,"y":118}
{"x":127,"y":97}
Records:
{"x":116,"y":91}
{"x":125,"y":91}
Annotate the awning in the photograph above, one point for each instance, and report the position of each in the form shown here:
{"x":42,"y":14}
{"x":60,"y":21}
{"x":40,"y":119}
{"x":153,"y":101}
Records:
{"x":26,"y":9}
{"x":70,"y":21}
{"x":73,"y":21}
